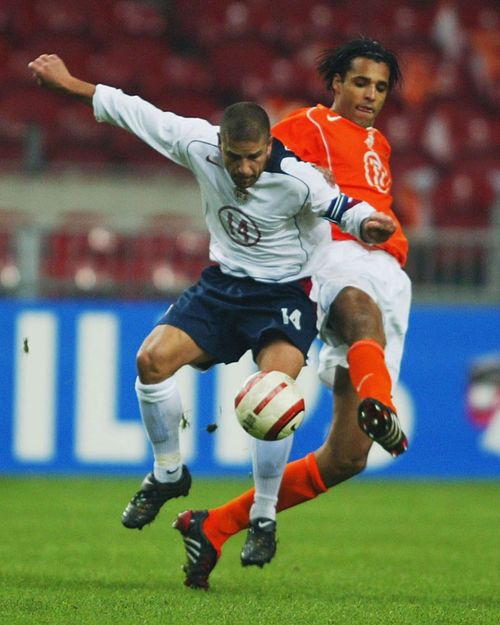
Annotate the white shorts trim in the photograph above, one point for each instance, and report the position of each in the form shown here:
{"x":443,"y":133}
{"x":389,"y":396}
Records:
{"x":379,"y":275}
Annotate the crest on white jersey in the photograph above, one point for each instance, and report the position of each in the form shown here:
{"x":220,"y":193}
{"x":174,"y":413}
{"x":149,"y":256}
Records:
{"x":241,"y":195}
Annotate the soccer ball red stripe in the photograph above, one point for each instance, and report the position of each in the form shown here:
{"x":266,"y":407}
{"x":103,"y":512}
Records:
{"x":247,"y":386}
{"x":260,"y":407}
{"x":284,"y":420}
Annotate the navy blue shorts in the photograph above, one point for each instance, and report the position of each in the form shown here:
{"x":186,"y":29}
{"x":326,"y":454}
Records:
{"x":227,"y":316}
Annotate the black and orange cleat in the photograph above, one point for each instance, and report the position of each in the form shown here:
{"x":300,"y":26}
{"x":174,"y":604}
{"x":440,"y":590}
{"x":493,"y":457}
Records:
{"x":201,"y":554}
{"x":382,"y":425}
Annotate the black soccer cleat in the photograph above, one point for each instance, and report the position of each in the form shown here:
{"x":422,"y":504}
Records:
{"x":260,"y":545}
{"x":146,"y":503}
{"x":201,"y":554}
{"x":382,"y":425}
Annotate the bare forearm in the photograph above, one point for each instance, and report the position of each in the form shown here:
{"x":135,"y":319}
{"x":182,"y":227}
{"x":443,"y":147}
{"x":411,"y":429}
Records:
{"x":50,"y":71}
{"x":81,"y":90}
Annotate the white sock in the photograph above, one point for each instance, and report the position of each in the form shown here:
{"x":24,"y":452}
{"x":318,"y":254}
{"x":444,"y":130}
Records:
{"x":161,"y":411}
{"x":268,"y":461}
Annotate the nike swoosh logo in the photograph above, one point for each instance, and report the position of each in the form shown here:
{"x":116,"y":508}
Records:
{"x":172,"y":472}
{"x":213,"y":162}
{"x":363,"y":380}
{"x":264,"y":524}
{"x":333,"y":118}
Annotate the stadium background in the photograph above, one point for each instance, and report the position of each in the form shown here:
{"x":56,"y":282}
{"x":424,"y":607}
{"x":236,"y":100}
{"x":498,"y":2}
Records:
{"x":98,"y":233}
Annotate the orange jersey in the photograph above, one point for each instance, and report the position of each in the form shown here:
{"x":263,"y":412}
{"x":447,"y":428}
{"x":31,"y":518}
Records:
{"x":357,"y":157}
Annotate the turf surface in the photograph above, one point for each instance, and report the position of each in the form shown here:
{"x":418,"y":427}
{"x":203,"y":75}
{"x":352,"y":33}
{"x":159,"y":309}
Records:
{"x":366,"y":553}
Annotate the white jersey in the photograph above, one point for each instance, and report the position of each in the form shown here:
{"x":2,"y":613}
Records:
{"x":269,"y":231}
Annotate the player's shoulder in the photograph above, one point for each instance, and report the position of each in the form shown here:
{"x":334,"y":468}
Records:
{"x":286,"y":163}
{"x":199,"y":126}
{"x":299,"y":128}
{"x":279,"y":153}
{"x":380,"y":135}
{"x":199,"y":132}
{"x":302,"y":115}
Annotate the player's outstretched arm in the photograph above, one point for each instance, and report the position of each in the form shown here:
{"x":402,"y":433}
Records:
{"x":377,"y":228}
{"x":50,"y":71}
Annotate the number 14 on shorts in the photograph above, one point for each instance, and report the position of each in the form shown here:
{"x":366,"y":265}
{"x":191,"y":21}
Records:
{"x":293,"y":317}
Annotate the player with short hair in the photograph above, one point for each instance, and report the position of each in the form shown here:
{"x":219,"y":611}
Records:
{"x":262,"y":207}
{"x":363,"y":306}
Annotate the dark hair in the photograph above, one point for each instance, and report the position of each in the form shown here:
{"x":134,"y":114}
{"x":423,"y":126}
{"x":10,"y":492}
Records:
{"x":245,"y":121}
{"x":338,"y":60}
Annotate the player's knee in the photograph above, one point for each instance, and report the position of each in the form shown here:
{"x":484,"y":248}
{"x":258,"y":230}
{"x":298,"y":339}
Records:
{"x":148,"y":367}
{"x":143,"y":363}
{"x":357,"y":316}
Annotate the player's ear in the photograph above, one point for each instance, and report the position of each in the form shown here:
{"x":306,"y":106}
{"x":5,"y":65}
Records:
{"x":336,"y":82}
{"x":269,"y":147}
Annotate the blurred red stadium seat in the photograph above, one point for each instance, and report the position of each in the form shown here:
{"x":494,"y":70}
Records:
{"x":402,"y":22}
{"x":11,"y":219}
{"x":5,"y":52}
{"x":461,"y":131}
{"x":61,"y":17}
{"x":451,"y":81}
{"x":118,"y":64}
{"x":291,"y":22}
{"x":418,"y":62}
{"x":82,"y":255}
{"x":463,"y":198}
{"x":30,"y":105}
{"x":75,"y":125}
{"x":77,"y":157}
{"x":236,"y":62}
{"x":137,"y":18}
{"x":403,"y":129}
{"x":191,"y":252}
{"x":20,"y":18}
{"x":176,"y":72}
{"x":189,"y":104}
{"x":74,"y":51}
{"x":109,"y":68}
{"x":479,"y":14}
{"x":12,"y":139}
{"x":199,"y":21}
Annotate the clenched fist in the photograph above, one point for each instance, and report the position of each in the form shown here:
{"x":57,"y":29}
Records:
{"x":377,"y":228}
{"x":50,"y":71}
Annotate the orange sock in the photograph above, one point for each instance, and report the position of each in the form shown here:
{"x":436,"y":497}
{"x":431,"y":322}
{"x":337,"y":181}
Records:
{"x":369,"y":374}
{"x":301,"y":482}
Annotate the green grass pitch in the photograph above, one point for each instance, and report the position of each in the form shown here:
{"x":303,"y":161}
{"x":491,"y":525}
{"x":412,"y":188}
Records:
{"x":366,"y":553}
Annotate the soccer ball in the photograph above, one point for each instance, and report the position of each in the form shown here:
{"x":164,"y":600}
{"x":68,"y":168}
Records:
{"x":269,"y":405}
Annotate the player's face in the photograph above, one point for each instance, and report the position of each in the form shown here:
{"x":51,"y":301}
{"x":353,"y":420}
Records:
{"x":245,"y":160}
{"x":361,"y":95}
